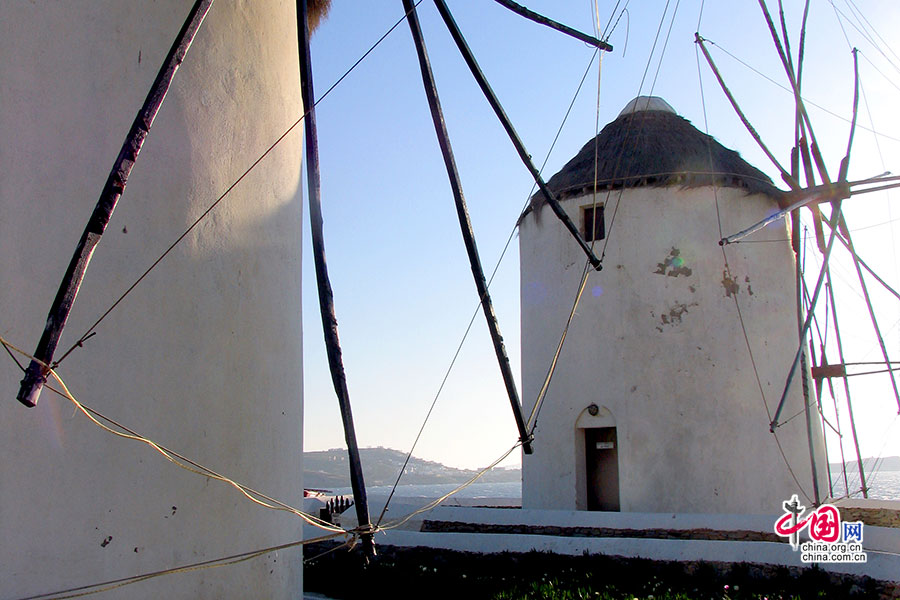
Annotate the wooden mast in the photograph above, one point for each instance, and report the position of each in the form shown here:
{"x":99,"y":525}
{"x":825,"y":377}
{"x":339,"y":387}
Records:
{"x":326,"y":296}
{"x":465,"y":224}
{"x":36,"y":374}
{"x":488,"y":92}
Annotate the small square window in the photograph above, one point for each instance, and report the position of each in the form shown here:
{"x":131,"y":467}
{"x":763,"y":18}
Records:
{"x":593,"y":223}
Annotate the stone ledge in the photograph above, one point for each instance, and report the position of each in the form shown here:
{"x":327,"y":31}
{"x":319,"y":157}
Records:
{"x":876,"y":517}
{"x":434,"y":526}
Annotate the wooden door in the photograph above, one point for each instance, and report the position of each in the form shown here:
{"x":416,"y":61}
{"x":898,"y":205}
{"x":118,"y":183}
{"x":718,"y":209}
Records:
{"x":602,"y":466}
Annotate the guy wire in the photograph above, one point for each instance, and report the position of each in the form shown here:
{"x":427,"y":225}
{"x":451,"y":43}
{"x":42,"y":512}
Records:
{"x":230,"y":188}
{"x":490,"y":280}
{"x":174,"y":457}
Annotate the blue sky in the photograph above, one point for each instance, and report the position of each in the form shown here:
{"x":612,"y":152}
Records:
{"x":403,"y":289}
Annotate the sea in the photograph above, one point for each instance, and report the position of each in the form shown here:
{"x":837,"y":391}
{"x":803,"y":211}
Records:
{"x":883,"y":485}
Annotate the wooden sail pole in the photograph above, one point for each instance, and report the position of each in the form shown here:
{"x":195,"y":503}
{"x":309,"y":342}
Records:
{"x":837,"y":222}
{"x":36,"y":374}
{"x":806,"y":324}
{"x":840,"y":348}
{"x":804,"y":368}
{"x":465,"y":224}
{"x":795,"y":87}
{"x":787,"y":177}
{"x":845,"y":164}
{"x":511,"y":132}
{"x":326,"y":296}
{"x":841,"y":224}
{"x":817,"y":391}
{"x":539,"y":18}
{"x":817,"y":218}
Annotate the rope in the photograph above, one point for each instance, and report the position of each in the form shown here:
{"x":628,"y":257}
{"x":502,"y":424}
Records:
{"x":788,"y":90}
{"x":535,"y":412}
{"x":734,"y":296}
{"x":96,"y":588}
{"x":431,"y":505}
{"x":595,"y":12}
{"x":612,"y":219}
{"x":532,"y":418}
{"x":865,"y":35}
{"x":879,"y":71}
{"x":349,"y":544}
{"x":172,"y":456}
{"x":610,"y":31}
{"x":875,"y":470}
{"x":205,"y":213}
{"x":531,"y":424}
{"x":875,"y":31}
{"x":665,"y":45}
{"x":490,"y":280}
{"x":762,"y":391}
{"x":887,"y":193}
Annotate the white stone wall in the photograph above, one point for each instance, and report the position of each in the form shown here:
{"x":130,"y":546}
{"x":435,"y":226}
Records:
{"x":205,"y":355}
{"x":657,"y":344}
{"x":881,"y":543}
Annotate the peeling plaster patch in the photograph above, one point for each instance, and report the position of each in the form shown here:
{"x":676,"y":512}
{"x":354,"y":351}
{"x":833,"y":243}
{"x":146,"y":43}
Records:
{"x":675,"y":313}
{"x":673,"y":265}
{"x":730,"y":285}
{"x":747,"y":281}
{"x":633,"y":389}
{"x":693,"y":288}
{"x":106,"y":541}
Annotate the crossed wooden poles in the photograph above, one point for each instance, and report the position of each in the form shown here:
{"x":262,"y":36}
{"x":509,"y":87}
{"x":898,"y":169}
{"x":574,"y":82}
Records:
{"x":38,"y":370}
{"x":833,"y":192}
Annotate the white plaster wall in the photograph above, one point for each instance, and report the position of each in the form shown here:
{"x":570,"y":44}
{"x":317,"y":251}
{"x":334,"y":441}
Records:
{"x":666,"y":355}
{"x":882,"y":563}
{"x":205,"y":355}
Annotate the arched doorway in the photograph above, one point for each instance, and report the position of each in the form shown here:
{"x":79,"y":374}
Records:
{"x":599,"y":459}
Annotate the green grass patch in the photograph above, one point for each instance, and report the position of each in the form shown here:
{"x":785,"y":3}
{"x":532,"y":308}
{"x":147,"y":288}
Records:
{"x":425,"y":573}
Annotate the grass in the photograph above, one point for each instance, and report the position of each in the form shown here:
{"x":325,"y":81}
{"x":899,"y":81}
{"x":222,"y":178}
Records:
{"x":573,"y":585}
{"x":424,"y":573}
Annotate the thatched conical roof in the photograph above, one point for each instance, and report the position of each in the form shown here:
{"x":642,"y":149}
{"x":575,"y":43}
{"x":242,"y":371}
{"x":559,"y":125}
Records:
{"x":650,"y":145}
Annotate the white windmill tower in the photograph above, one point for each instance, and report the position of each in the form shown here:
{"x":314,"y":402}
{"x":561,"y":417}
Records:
{"x":674,"y":361}
{"x":205,"y":354}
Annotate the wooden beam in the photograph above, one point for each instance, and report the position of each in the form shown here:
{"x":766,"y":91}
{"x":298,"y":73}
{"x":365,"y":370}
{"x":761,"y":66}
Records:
{"x":469,"y":58}
{"x":538,"y":18}
{"x":465,"y":224}
{"x":326,"y":296}
{"x":36,"y":373}
{"x":827,"y":371}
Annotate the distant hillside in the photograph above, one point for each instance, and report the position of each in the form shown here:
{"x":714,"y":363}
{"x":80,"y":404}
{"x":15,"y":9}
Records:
{"x":888,"y":463}
{"x":329,"y":469}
